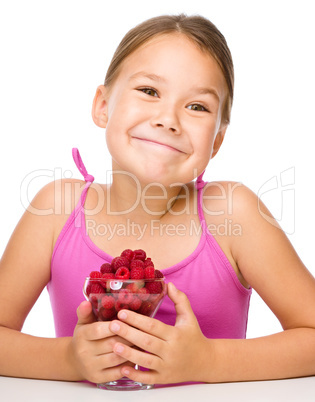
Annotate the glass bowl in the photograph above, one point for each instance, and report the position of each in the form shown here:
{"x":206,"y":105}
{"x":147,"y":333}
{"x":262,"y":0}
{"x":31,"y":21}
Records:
{"x":109,"y":296}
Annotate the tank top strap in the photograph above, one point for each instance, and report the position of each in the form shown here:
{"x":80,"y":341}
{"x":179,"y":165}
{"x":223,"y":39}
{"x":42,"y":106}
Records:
{"x":79,"y":212}
{"x":80,"y":165}
{"x":199,"y":185}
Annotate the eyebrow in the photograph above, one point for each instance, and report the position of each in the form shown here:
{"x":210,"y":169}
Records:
{"x":155,"y":77}
{"x":208,"y":91}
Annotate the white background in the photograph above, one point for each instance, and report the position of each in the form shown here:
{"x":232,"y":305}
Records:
{"x":55,"y":53}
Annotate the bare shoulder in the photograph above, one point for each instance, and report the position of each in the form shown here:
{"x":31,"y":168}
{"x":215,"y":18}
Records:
{"x":225,"y":204}
{"x":262,"y":252}
{"x":239,"y":208}
{"x":29,"y":250}
{"x":57,"y":200}
{"x":50,"y":207}
{"x":235,"y":202}
{"x":227,"y":197}
{"x":57,"y":196}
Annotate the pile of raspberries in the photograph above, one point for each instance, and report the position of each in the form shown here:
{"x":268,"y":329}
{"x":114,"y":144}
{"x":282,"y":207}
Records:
{"x":139,"y":286}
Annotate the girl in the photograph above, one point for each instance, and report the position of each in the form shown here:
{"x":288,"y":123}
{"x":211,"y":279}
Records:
{"x":165,"y":105}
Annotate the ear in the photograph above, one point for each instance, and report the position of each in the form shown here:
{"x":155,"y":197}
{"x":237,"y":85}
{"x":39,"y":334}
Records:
{"x":218,"y":140}
{"x":99,"y":107}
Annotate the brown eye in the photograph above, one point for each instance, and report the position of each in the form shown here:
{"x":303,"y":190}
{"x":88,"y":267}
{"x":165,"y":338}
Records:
{"x":197,"y":107}
{"x":149,"y":91}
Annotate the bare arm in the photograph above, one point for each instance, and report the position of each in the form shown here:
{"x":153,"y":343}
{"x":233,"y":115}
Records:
{"x":24,"y":272}
{"x":268,"y":262}
{"x":271,"y":266}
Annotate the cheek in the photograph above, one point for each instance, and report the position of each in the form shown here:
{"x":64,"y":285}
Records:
{"x":121,"y":121}
{"x":123,"y":114}
{"x":203,"y":139}
{"x":203,"y":148}
{"x":119,"y":113}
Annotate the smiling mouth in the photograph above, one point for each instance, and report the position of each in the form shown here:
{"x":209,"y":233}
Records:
{"x":156,"y":143}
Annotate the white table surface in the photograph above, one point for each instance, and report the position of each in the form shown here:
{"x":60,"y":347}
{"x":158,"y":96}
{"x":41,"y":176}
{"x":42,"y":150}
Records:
{"x":297,"y":390}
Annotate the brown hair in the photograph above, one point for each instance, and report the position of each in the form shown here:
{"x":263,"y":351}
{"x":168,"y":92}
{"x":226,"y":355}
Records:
{"x":199,"y":29}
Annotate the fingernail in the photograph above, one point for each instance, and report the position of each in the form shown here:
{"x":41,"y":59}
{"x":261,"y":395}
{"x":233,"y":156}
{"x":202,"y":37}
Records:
{"x":115,"y":327}
{"x":126,"y":371}
{"x":122,"y":315}
{"x":119,"y":349}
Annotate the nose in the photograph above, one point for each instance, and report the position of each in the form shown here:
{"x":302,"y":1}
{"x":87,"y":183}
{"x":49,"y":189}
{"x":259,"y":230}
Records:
{"x":166,"y":117}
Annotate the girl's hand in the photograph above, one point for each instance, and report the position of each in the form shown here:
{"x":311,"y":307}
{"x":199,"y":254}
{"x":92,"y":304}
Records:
{"x":171,"y":353}
{"x":91,"y":348}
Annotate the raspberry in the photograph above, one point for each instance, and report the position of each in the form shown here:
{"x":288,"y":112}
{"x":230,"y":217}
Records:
{"x":88,"y":289}
{"x":118,"y":262}
{"x":96,"y":288}
{"x":106,"y":268}
{"x":125,"y":296}
{"x":95,"y":274}
{"x":155,"y":298}
{"x":136,"y":264}
{"x":148,"y":262}
{"x":108,"y":302}
{"x":109,"y":290}
{"x":122,"y":273}
{"x":137,"y":273}
{"x":128,"y":254}
{"x":107,"y":314}
{"x":158,"y":274}
{"x":104,"y":280}
{"x":134,"y":287}
{"x":149,"y":272}
{"x":108,"y":275}
{"x":154,"y":287}
{"x":146,"y":308}
{"x":143,"y":294}
{"x":135,"y":304}
{"x":120,"y":306}
{"x":139,"y":255}
{"x":94,"y":300}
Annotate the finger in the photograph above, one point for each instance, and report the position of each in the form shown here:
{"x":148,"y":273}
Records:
{"x":146,"y":377}
{"x":184,"y":312}
{"x":138,"y":338}
{"x":108,"y":360}
{"x":145,"y":324}
{"x":101,"y":375}
{"x":95,"y":331}
{"x":85,"y":313}
{"x":114,"y":339}
{"x":102,"y":346}
{"x":143,"y":359}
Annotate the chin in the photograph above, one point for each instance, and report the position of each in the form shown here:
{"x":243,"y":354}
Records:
{"x":164,"y":177}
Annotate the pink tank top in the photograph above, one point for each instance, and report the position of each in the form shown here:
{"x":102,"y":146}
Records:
{"x":219,"y":301}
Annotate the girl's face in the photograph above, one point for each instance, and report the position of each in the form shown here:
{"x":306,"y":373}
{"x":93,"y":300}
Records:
{"x":163,"y":112}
